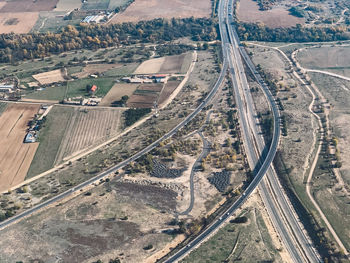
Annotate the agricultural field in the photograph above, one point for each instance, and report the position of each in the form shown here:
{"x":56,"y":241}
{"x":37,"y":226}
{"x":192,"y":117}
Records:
{"x":248,"y":11}
{"x":68,"y":5}
{"x":90,"y":69}
{"x":54,"y":94}
{"x":50,"y":138}
{"x":334,"y":59}
{"x":88,"y":127}
{"x":166,"y":65}
{"x":117,"y":92}
{"x":28,"y":6}
{"x":169,"y":88}
{"x":77,"y":88}
{"x":50,"y":77}
{"x":15,"y":155}
{"x":17,"y":22}
{"x":148,"y":10}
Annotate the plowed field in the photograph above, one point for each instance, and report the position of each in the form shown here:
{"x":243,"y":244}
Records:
{"x":15,"y":156}
{"x":28,"y":6}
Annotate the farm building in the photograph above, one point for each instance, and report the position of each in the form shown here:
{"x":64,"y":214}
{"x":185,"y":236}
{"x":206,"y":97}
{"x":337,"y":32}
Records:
{"x":6,"y":88}
{"x":93,"y":19}
{"x":93,"y":89}
{"x":30,"y":137}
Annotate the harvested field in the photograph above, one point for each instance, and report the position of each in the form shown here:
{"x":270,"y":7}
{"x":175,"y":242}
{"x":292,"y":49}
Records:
{"x":151,"y":9}
{"x":167,"y":65}
{"x":117,"y":92}
{"x":248,"y":11}
{"x":88,"y":127}
{"x":95,"y":68}
{"x":167,"y":91}
{"x":49,"y":77}
{"x":17,"y":22}
{"x":68,"y":5}
{"x":28,"y":6}
{"x":15,"y":156}
{"x":142,"y":101}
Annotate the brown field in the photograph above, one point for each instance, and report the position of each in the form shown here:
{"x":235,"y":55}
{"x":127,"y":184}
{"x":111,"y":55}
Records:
{"x":117,"y":92}
{"x":15,"y":156}
{"x":168,"y":65}
{"x":95,"y":68}
{"x":277,"y":17}
{"x":17,"y":22}
{"x":49,"y":77}
{"x":28,"y":6}
{"x":155,"y":87}
{"x":87,"y":128}
{"x":168,"y":90}
{"x":142,"y":101}
{"x":151,"y":9}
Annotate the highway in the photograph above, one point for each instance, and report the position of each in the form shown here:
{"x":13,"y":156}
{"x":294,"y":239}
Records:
{"x":280,"y":210}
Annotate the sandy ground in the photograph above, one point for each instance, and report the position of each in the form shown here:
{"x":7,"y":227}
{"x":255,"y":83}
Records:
{"x":25,"y":22}
{"x":49,"y":77}
{"x":150,"y":9}
{"x":277,"y":17}
{"x":15,"y":156}
{"x":117,"y":92}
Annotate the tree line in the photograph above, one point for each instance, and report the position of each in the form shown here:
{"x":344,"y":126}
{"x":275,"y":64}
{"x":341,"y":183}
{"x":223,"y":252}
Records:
{"x":15,"y":47}
{"x":298,"y":33}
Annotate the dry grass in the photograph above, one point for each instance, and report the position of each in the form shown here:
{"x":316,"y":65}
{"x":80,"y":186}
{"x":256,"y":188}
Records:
{"x":95,"y":68}
{"x":28,"y":6}
{"x":15,"y":156}
{"x":151,"y":9}
{"x":17,"y":22}
{"x":49,"y":77}
{"x":277,"y":17}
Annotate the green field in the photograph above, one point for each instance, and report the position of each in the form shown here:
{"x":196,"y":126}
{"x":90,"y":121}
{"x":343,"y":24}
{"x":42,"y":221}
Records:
{"x":51,"y":93}
{"x":96,"y":4}
{"x":50,"y":138}
{"x":3,"y":106}
{"x":78,"y":87}
{"x":247,"y":242}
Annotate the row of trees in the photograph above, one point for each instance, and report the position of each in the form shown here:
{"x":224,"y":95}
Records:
{"x":14,"y":47}
{"x":260,"y":32}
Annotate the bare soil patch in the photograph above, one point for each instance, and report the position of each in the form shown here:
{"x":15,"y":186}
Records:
{"x":17,"y":22}
{"x":151,"y":9}
{"x":15,"y":156}
{"x":277,"y":17}
{"x":142,"y":101}
{"x":117,"y":92}
{"x":49,"y":77}
{"x":150,"y":66}
{"x":168,"y":90}
{"x":28,"y":6}
{"x":151,"y":87}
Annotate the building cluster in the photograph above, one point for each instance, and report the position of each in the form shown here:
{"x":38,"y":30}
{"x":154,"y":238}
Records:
{"x":99,"y":18}
{"x":80,"y":101}
{"x":159,"y":78}
{"x":9,"y":89}
{"x":36,"y":124}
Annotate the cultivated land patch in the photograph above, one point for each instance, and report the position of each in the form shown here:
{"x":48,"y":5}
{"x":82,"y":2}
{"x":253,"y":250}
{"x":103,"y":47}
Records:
{"x":15,"y":156}
{"x":50,"y":138}
{"x":49,"y":77}
{"x":331,"y":59}
{"x":88,"y":127}
{"x":17,"y":22}
{"x":67,"y":5}
{"x":142,"y":100}
{"x":28,"y":6}
{"x":151,"y":9}
{"x":168,"y":65}
{"x":117,"y":92}
{"x":168,"y":89}
{"x":248,"y":11}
